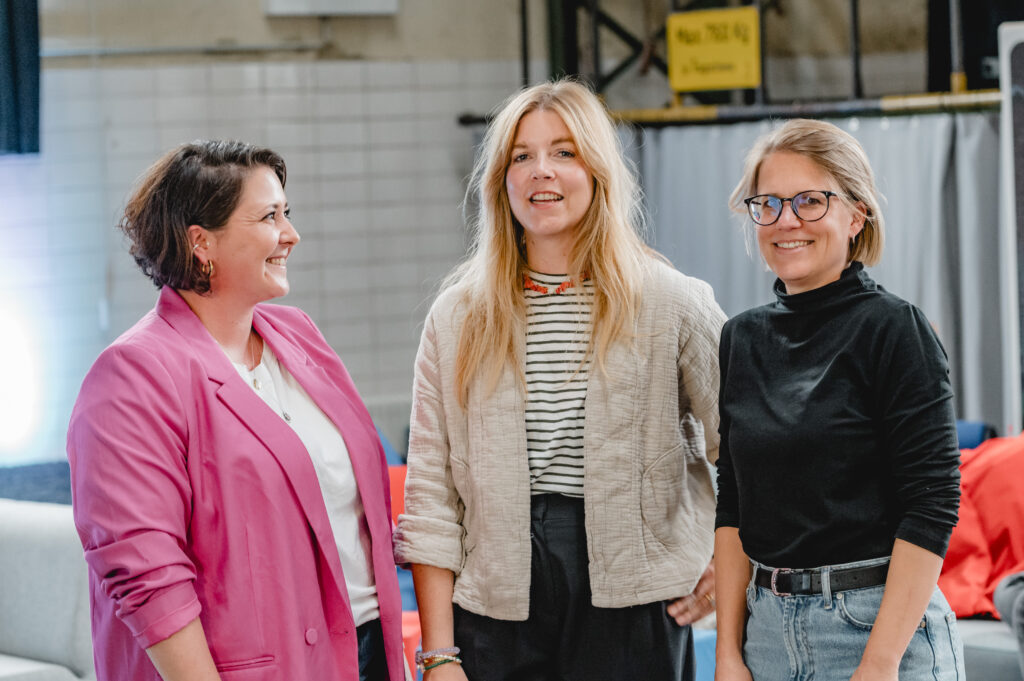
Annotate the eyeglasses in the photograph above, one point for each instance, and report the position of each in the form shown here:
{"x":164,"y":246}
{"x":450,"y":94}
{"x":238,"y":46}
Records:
{"x":809,"y":206}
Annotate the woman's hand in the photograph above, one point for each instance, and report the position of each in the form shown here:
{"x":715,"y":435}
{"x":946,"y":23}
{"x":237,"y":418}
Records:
{"x":184,"y":655}
{"x":446,"y":672}
{"x":732,"y":670}
{"x":909,"y":586}
{"x":701,"y":602}
{"x":868,"y":672}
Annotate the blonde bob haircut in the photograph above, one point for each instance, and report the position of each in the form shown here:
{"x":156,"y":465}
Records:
{"x":842,"y":157}
{"x":608,"y":249}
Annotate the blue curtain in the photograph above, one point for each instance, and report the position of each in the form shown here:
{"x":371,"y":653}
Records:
{"x":19,"y":76}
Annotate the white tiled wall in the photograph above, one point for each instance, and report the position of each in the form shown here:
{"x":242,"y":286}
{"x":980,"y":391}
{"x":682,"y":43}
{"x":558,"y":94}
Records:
{"x":377,"y":164}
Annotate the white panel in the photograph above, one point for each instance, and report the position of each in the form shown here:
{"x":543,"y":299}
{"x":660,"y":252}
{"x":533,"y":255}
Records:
{"x":329,"y":7}
{"x":1011,"y":78}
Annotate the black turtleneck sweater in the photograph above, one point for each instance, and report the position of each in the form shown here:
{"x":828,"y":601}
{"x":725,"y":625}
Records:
{"x":838,"y":433}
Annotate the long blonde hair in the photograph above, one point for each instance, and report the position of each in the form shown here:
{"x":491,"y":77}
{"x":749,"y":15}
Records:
{"x":608,"y":248}
{"x":839,"y":154}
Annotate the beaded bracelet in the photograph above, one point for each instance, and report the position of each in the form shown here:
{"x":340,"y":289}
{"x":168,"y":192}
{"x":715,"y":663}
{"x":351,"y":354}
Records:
{"x":422,"y":655}
{"x":441,"y":659}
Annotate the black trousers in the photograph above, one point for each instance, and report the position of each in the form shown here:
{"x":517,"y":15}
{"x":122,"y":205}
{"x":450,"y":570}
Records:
{"x":566,"y":638}
{"x":373,"y":663}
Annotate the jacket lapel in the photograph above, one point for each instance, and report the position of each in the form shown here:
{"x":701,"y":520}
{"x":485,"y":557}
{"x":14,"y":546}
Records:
{"x":341,"y":406}
{"x":280,"y":440}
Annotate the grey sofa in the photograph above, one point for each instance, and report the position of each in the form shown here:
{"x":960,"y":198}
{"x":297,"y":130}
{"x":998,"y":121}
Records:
{"x":990,"y":651}
{"x":44,"y":595}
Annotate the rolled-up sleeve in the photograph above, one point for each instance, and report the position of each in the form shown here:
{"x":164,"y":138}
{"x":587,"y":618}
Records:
{"x":430,"y":532}
{"x":698,"y":362}
{"x":127,"y":445}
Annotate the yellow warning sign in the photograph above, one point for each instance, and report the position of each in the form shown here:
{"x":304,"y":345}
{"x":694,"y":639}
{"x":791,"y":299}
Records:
{"x":714,"y":49}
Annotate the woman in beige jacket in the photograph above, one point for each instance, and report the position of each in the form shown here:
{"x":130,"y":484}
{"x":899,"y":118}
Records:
{"x":559,"y":503}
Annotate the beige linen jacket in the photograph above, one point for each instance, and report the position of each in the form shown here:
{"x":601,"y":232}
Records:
{"x":650,"y":437}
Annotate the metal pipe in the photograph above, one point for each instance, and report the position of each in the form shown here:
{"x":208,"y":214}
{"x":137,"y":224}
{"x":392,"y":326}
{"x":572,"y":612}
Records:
{"x":61,"y":53}
{"x":761,"y":93}
{"x":957,"y":76}
{"x":889,"y":105}
{"x":595,"y":38}
{"x":858,"y":81}
{"x":524,"y":40}
{"x":563,"y":38}
{"x":899,"y":104}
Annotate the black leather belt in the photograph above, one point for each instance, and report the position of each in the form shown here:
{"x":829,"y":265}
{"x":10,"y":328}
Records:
{"x":786,"y":582}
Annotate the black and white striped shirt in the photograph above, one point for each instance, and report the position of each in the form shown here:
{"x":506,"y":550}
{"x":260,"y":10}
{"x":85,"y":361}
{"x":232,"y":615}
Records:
{"x":557,"y":334}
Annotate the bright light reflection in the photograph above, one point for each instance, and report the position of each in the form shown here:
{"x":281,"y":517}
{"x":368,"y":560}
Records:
{"x":19,"y":397}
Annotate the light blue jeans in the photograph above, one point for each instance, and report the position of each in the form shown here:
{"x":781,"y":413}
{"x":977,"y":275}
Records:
{"x":822,"y":637}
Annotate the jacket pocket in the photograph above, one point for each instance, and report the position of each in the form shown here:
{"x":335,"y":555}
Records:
{"x":661,"y":497}
{"x":465,"y":488}
{"x":859,"y":607}
{"x":243,"y":665}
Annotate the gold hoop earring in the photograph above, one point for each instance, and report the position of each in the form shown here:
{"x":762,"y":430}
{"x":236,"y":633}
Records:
{"x":207,"y":268}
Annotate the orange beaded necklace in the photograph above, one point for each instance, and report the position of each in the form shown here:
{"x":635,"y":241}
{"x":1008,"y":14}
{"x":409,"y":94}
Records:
{"x":539,"y":288}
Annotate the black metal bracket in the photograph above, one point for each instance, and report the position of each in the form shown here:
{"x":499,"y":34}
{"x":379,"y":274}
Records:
{"x":563,"y":42}
{"x":637,"y":48}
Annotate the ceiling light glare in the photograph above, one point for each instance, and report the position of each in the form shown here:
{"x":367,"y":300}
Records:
{"x":19,"y":400}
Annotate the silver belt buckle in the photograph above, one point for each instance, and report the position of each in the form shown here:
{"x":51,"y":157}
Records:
{"x":775,"y":575}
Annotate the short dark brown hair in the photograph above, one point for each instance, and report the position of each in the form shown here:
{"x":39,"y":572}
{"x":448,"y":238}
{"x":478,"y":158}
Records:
{"x":199,"y":183}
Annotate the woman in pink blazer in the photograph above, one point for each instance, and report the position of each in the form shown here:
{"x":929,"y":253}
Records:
{"x":229,"y":487}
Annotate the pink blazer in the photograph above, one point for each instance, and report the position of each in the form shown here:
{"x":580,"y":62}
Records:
{"x":193,"y":498}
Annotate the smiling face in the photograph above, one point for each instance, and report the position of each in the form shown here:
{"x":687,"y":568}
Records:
{"x":549,"y":187}
{"x":249,"y":252}
{"x":805,"y":255}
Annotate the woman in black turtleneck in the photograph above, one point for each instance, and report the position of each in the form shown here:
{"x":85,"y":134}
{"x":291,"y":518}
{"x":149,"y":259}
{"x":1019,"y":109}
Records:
{"x":838,"y":470}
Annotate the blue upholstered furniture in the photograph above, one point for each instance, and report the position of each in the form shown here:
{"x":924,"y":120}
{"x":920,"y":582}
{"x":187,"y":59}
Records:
{"x":973,"y":433}
{"x":49,"y":482}
{"x":704,"y":650}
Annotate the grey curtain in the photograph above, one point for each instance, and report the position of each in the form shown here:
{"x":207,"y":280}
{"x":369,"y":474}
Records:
{"x":939,"y":174}
{"x":19,"y":76}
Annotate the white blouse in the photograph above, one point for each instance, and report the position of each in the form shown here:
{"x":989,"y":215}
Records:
{"x":326,"y":447}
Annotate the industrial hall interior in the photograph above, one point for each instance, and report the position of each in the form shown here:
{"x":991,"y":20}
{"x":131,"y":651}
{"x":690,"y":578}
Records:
{"x":512,"y":339}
